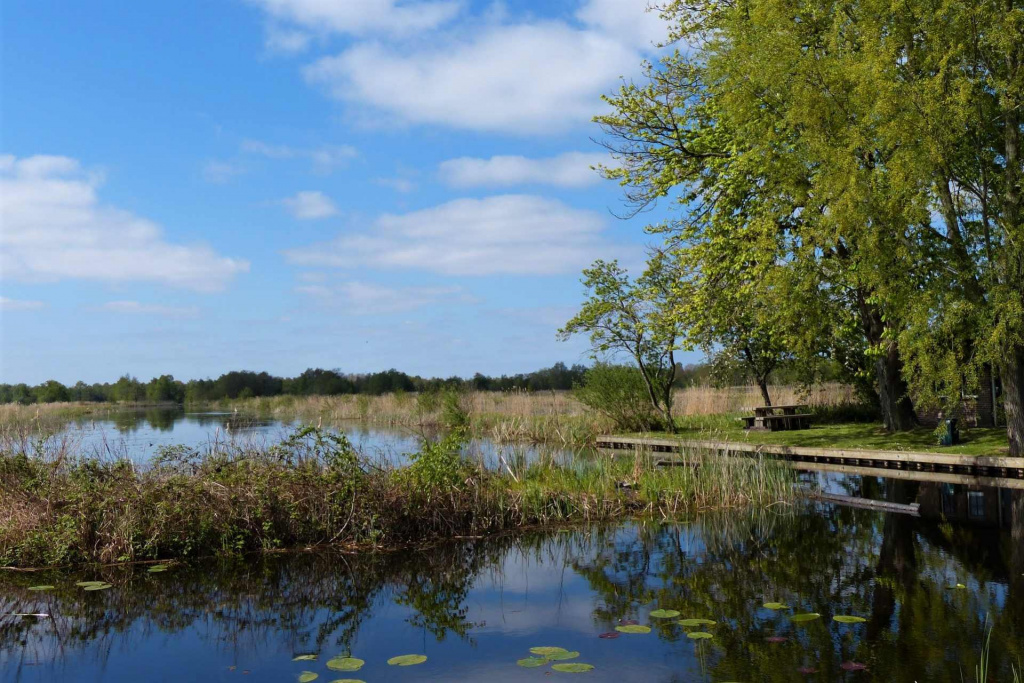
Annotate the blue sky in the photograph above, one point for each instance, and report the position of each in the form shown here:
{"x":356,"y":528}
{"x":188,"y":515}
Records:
{"x":195,"y":187}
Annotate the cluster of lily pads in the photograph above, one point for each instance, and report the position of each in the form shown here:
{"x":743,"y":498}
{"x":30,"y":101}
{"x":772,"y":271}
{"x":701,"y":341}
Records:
{"x":351,"y":664}
{"x":542,"y":656}
{"x":99,"y":585}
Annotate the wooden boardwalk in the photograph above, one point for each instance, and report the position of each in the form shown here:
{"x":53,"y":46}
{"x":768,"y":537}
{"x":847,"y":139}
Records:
{"x":981,"y":470}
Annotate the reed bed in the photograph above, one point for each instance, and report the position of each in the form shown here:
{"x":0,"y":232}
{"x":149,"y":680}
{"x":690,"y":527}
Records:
{"x":314,"y":489}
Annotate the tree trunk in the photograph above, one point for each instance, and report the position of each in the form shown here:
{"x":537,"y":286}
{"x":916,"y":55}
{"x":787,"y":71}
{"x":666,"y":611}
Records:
{"x":893,"y":393}
{"x":763,"y":384}
{"x":1013,"y":399}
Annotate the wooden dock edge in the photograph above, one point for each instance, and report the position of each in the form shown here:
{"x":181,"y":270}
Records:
{"x":983,"y":465}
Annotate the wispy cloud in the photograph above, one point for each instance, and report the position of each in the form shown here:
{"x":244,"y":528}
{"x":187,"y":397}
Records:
{"x":325,"y":158}
{"x":220,"y":172}
{"x":359,"y":17}
{"x":508,"y":234}
{"x":367,"y":298}
{"x":572,"y":169}
{"x":56,"y":228}
{"x":137,"y":308}
{"x":310,"y":205}
{"x":7,"y":304}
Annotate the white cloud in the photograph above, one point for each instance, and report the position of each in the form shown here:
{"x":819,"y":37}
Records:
{"x":398,"y":184}
{"x":627,"y":20}
{"x":220,"y":172}
{"x":54,"y":227}
{"x":361,"y":17}
{"x":368,"y":298}
{"x":136,"y":308}
{"x":324,"y":159}
{"x":508,"y":234}
{"x":287,"y":40}
{"x":573,"y":169}
{"x":7,"y":304}
{"x":537,"y":78}
{"x":310,"y":205}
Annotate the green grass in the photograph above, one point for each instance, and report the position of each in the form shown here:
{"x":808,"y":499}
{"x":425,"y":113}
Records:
{"x":990,"y":441}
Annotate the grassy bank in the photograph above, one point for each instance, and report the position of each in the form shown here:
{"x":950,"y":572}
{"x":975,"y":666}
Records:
{"x":315,"y":489}
{"x":868,"y":435}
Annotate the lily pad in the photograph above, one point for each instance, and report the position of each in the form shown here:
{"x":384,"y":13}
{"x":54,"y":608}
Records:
{"x":547,"y":651}
{"x":807,"y":670}
{"x":776,"y":605}
{"x":610,"y":635}
{"x":664,"y":613}
{"x":407,"y":660}
{"x":776,"y":639}
{"x":696,"y":622}
{"x":805,"y":617}
{"x":853,"y":666}
{"x":307,"y":676}
{"x":561,"y":656}
{"x":699,"y":635}
{"x":633,"y":628}
{"x":98,"y":587}
{"x":533,"y":662}
{"x":157,"y":568}
{"x":304,"y":658}
{"x":345,"y":664}
{"x":846,"y":619}
{"x":956,"y":587}
{"x":573,"y":668}
{"x":348,"y":680}
{"x":85,"y":584}
{"x":41,"y":588}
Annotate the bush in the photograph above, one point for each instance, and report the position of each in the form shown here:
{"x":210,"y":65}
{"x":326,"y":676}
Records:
{"x":619,"y":391}
{"x":453,"y":414}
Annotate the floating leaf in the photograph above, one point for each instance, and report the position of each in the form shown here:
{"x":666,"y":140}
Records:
{"x":664,"y":614}
{"x":304,"y":658}
{"x":807,"y":670}
{"x":86,"y":584}
{"x":845,"y":619}
{"x":41,"y":588}
{"x":157,"y":568}
{"x":956,"y":587}
{"x":98,"y":587}
{"x":776,"y":639}
{"x":533,"y":662}
{"x":407,"y":660}
{"x":696,"y":622}
{"x":853,"y":666}
{"x":345,"y":664}
{"x":633,"y":628}
{"x":807,"y":616}
{"x":573,"y":668}
{"x":609,"y":635}
{"x":628,"y":622}
{"x":560,"y":656}
{"x":547,"y":651}
{"x":775,"y":605}
{"x":699,"y":635}
{"x":348,"y":680}
{"x":307,"y":676}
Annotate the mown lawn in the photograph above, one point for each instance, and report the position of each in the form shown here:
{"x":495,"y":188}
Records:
{"x":990,"y":441}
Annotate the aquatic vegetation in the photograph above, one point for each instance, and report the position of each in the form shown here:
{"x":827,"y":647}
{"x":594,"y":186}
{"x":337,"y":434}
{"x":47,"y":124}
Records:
{"x":805,"y":617}
{"x":775,"y":606}
{"x":664,"y":613}
{"x":561,"y":656}
{"x":699,"y":635}
{"x":846,"y":619}
{"x":41,"y":588}
{"x":345,"y":664}
{"x":533,"y":662}
{"x":696,"y":622}
{"x":857,"y":666}
{"x":308,"y":676}
{"x":407,"y":660}
{"x":304,"y":658}
{"x":633,"y":628}
{"x":573,"y":668}
{"x":546,"y":651}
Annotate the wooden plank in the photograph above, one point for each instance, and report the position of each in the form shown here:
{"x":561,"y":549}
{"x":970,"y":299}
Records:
{"x":906,"y":457}
{"x":865,"y":503}
{"x":911,"y":475}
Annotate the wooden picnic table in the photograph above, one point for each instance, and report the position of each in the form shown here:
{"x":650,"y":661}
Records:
{"x":779,"y":418}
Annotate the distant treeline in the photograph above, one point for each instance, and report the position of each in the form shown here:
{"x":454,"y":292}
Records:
{"x":319,"y":382}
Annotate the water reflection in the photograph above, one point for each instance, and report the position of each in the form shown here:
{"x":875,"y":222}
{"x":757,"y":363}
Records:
{"x":475,"y":607}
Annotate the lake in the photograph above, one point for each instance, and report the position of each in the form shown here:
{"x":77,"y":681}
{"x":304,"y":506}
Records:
{"x":926,"y":586}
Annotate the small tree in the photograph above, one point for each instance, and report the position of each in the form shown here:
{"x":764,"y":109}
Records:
{"x":634,"y":317}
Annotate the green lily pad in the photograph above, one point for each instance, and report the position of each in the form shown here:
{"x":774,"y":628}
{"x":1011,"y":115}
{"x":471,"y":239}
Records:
{"x":157,"y":568}
{"x":845,"y":619}
{"x":85,"y":584}
{"x":348,"y":680}
{"x":696,"y":622}
{"x":407,"y":660}
{"x":775,"y":605}
{"x":304,"y":658}
{"x":633,"y":628}
{"x":561,"y":656}
{"x":573,"y":668}
{"x":957,"y":587}
{"x":41,"y":588}
{"x":533,"y":662}
{"x":802,"y":618}
{"x":345,"y":664}
{"x":98,"y":587}
{"x":664,"y":613}
{"x":307,"y":676}
{"x":547,"y":651}
{"x":699,"y":635}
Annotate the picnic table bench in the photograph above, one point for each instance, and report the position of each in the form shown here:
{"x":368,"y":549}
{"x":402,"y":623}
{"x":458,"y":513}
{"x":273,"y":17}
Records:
{"x":779,"y":418}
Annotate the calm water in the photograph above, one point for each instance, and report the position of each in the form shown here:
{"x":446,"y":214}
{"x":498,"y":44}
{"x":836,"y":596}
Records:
{"x":140,"y":435}
{"x":475,"y":607}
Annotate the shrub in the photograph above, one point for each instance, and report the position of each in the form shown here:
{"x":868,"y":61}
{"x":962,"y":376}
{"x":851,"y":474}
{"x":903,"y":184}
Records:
{"x":619,"y":392}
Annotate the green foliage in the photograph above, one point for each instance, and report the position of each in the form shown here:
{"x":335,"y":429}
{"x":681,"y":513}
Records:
{"x":439,"y":466}
{"x":619,"y":392}
{"x":453,"y":414}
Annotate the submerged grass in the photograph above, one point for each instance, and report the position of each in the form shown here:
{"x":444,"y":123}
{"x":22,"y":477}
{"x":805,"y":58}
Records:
{"x":314,"y":489}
